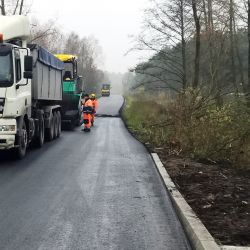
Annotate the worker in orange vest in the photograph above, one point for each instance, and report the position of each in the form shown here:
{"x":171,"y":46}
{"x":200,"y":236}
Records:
{"x":87,"y":110}
{"x":95,"y":106}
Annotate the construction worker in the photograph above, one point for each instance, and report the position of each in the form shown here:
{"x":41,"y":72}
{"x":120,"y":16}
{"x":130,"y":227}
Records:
{"x":87,"y":110}
{"x":95,"y":106}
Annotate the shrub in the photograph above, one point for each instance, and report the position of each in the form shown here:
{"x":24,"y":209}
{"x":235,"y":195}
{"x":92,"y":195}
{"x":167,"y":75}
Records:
{"x":193,"y":125}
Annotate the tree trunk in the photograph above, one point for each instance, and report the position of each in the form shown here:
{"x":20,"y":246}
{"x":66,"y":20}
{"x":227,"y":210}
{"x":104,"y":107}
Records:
{"x":197,"y":45}
{"x":232,"y":46}
{"x":184,"y":64}
{"x":3,"y":12}
{"x":15,"y":10}
{"x":213,"y":74}
{"x":238,"y":56}
{"x":205,"y":14}
{"x":248,"y":85}
{"x":21,"y":7}
{"x":210,"y":14}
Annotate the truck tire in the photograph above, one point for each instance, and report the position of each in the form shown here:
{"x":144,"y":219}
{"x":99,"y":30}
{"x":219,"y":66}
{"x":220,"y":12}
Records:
{"x":39,"y":141}
{"x":55,"y":117}
{"x":50,"y":131}
{"x":22,"y":143}
{"x":59,"y":124}
{"x":71,"y":125}
{"x":78,"y":121}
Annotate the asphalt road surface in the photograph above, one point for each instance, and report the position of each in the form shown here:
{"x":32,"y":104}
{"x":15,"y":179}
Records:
{"x":98,"y":190}
{"x":110,"y":106}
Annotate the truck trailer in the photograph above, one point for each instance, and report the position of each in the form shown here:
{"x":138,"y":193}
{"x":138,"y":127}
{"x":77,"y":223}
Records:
{"x":72,"y":92}
{"x":30,"y":89}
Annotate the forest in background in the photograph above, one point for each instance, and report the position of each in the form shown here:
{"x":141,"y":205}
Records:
{"x":198,"y":44}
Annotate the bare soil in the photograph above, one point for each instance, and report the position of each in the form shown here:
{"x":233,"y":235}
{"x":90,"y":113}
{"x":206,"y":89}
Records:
{"x":218,"y":193}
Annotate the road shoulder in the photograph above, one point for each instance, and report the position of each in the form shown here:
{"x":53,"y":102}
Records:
{"x":198,"y":235}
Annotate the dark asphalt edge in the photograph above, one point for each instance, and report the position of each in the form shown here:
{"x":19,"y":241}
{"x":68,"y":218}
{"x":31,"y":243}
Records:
{"x":162,"y":180}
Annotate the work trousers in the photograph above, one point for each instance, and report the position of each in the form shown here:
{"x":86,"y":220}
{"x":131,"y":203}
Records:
{"x":87,"y":120}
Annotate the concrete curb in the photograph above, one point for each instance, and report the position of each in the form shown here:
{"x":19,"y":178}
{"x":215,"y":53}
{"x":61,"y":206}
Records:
{"x":234,"y":248}
{"x":197,"y":233}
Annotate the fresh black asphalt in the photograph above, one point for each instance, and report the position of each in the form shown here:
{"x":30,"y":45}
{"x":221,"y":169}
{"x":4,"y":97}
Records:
{"x":97,"y":190}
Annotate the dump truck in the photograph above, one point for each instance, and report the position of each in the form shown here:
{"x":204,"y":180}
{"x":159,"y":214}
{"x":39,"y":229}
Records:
{"x":106,"y":90}
{"x":72,"y":92}
{"x":30,"y":89}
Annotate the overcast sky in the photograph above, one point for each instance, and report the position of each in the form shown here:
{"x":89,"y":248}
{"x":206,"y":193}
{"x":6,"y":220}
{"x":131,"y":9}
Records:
{"x":110,"y":21}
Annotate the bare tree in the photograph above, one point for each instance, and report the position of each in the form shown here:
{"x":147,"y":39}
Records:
{"x":197,"y":44}
{"x":9,"y":7}
{"x":167,"y":25}
{"x":47,"y":35}
{"x":88,"y":51}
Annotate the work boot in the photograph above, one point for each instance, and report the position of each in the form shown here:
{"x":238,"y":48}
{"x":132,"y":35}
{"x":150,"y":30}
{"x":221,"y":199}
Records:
{"x":86,"y":130}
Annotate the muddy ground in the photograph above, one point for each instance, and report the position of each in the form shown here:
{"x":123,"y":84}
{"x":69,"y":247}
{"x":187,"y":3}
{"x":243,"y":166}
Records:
{"x":218,"y":193}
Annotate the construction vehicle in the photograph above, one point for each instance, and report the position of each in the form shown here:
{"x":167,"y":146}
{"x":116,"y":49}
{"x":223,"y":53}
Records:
{"x":106,"y":90}
{"x":72,"y":92}
{"x":30,"y":89}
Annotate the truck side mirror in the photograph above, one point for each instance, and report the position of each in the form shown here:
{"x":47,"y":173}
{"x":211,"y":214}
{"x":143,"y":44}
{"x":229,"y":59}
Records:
{"x":28,"y":63}
{"x":28,"y":74}
{"x":80,"y":83}
{"x":80,"y":79}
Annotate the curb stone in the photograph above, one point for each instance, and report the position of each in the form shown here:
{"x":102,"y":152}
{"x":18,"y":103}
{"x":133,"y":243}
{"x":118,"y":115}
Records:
{"x":197,"y":233}
{"x":234,"y":248}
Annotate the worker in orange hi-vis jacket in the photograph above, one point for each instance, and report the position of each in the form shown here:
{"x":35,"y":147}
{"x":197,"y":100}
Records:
{"x":95,"y":106}
{"x":87,"y":110}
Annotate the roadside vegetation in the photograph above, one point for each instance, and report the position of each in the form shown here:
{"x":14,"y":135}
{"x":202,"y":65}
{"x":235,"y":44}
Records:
{"x":193,"y":94}
{"x":206,"y":151}
{"x":190,"y":103}
{"x":192,"y":126}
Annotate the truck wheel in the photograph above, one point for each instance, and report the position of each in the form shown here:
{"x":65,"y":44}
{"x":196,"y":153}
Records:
{"x":39,"y":141}
{"x":22,"y":142}
{"x":51,"y":129}
{"x":78,"y":121}
{"x":55,"y":117}
{"x":59,"y":124}
{"x":71,"y":125}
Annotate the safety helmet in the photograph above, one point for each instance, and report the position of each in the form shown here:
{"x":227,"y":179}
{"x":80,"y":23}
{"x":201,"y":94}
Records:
{"x":92,"y":96}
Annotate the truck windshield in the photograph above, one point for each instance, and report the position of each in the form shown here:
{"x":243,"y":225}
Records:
{"x":6,"y":71}
{"x":68,"y":73}
{"x":106,"y":87}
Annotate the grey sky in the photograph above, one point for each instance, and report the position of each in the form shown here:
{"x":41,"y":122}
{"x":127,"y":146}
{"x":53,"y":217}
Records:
{"x":110,"y":21}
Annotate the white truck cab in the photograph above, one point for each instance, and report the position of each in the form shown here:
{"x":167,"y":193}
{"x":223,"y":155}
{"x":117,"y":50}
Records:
{"x":15,"y":100}
{"x":22,"y":117}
